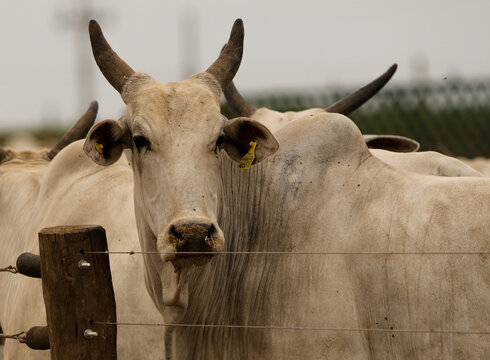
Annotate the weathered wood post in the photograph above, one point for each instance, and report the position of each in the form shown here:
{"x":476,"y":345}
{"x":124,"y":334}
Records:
{"x":77,"y":289}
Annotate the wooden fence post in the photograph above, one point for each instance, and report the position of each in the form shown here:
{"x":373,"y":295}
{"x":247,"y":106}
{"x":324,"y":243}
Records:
{"x":77,"y":289}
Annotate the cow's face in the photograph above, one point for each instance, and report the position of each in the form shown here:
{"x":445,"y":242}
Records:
{"x":175,"y":131}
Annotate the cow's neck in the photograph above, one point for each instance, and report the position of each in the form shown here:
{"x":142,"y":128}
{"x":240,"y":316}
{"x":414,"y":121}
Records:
{"x":243,"y":199}
{"x":232,"y":289}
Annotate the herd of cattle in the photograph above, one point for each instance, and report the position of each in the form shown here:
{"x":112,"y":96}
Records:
{"x":167,"y":173}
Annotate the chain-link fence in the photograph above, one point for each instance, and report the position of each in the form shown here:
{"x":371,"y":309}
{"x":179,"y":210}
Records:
{"x":452,"y":117}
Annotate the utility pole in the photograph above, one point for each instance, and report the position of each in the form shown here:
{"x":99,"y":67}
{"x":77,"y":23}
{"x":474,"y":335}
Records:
{"x":188,"y":39}
{"x":76,"y":19}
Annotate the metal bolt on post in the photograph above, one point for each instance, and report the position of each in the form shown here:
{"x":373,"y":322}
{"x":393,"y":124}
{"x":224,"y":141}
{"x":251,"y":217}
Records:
{"x":83,"y":265}
{"x":90,"y":334}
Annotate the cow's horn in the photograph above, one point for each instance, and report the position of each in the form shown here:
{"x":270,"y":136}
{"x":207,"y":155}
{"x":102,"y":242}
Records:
{"x":78,"y":131}
{"x":236,"y":101}
{"x":227,"y":64}
{"x":115,"y":70}
{"x":353,"y":101}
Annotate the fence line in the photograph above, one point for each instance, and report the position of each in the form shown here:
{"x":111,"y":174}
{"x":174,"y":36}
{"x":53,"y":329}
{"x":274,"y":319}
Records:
{"x":10,"y":269}
{"x":21,"y":336}
{"x":271,"y":327}
{"x":292,"y":253}
{"x":77,"y":248}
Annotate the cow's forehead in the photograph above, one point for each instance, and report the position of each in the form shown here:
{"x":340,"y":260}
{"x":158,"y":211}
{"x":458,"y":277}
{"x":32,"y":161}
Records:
{"x":188,"y":103}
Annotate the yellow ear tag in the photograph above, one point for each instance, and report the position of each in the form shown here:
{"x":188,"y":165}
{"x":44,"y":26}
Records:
{"x":99,"y":147}
{"x":248,"y":159}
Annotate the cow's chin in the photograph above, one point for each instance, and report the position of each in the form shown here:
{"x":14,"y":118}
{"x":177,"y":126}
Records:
{"x":175,"y":289}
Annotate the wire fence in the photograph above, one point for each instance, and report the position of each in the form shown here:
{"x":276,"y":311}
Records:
{"x":303,"y":328}
{"x":373,"y":253}
{"x":449,"y":116}
{"x":23,"y":336}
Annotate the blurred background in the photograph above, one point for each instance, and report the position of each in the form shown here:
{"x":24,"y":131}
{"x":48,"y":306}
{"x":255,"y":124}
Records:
{"x":298,"y":54}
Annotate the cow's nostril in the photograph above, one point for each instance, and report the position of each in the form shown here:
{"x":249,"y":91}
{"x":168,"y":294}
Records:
{"x":175,"y":237}
{"x":173,"y":231}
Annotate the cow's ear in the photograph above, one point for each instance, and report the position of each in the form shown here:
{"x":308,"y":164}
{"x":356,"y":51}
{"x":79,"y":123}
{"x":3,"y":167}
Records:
{"x":391,"y":142}
{"x":240,"y":132}
{"x":106,"y":141}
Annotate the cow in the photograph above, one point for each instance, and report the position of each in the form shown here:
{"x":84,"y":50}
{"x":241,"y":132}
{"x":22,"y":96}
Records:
{"x":397,"y":151}
{"x":312,"y":188}
{"x":62,"y":186}
{"x":76,"y":132}
{"x":480,"y":164}
{"x":20,"y":172}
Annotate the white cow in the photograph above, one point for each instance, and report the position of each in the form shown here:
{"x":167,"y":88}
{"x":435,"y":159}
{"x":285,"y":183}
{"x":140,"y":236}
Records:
{"x":397,"y":151}
{"x":321,"y":191}
{"x":21,"y":173}
{"x":71,"y":190}
{"x":426,"y":162}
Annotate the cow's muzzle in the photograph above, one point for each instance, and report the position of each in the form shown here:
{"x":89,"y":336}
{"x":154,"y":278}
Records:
{"x":191,"y":241}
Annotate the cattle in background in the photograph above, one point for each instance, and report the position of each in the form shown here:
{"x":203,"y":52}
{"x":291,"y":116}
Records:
{"x":321,"y":191}
{"x":76,"y":132}
{"x":427,"y":162}
{"x":274,"y":120}
{"x":397,"y":151}
{"x":480,"y":164}
{"x":51,"y":188}
{"x":23,"y":141}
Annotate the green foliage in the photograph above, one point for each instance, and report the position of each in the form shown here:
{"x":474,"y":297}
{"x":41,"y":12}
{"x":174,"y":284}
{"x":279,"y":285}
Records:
{"x":457,"y":131}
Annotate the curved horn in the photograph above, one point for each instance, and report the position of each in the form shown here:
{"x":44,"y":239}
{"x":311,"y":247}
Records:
{"x":115,"y":70}
{"x":236,"y":101}
{"x":227,"y":64}
{"x":77,"y":132}
{"x":351,"y":102}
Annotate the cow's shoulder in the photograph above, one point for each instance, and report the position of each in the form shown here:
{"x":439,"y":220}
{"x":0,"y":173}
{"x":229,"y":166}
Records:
{"x":323,"y":138}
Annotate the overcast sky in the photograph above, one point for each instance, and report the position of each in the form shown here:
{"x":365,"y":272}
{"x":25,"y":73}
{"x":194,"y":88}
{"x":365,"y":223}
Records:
{"x":46,"y":54}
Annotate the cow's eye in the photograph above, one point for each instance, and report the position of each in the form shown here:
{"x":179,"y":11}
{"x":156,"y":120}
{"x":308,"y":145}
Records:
{"x":141,"y":142}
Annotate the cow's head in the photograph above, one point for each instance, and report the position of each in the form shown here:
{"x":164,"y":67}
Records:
{"x":344,"y":106}
{"x":274,"y":120}
{"x":174,"y":132}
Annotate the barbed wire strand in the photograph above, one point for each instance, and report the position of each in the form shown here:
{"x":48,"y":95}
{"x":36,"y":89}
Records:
{"x":265,"y":327}
{"x":292,"y":253}
{"x":21,"y":336}
{"x":10,"y":269}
